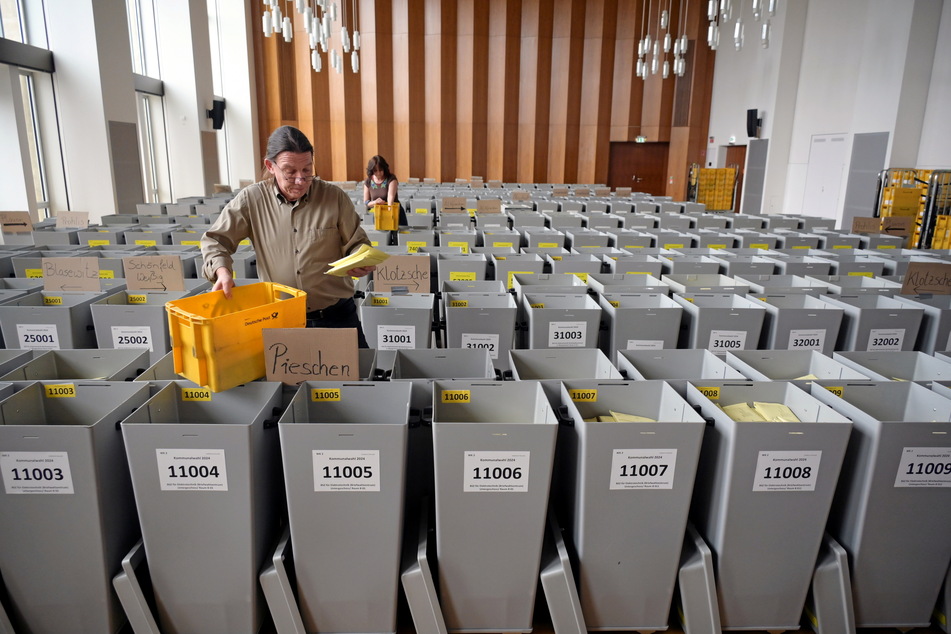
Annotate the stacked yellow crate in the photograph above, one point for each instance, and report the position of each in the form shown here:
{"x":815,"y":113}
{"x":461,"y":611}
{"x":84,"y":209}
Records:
{"x":715,"y":187}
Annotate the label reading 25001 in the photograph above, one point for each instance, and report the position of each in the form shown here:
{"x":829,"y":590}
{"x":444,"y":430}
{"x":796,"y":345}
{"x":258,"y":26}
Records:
{"x":36,"y":472}
{"x":496,"y":471}
{"x":38,"y":336}
{"x":192,"y":469}
{"x":346,"y":470}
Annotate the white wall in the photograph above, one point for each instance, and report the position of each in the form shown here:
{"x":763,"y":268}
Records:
{"x":935,"y":149}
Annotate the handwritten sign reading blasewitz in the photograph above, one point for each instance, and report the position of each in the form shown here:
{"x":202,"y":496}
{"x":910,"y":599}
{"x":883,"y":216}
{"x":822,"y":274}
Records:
{"x":294,"y":355}
{"x":409,"y":273}
{"x":154,"y":273}
{"x":927,"y":277}
{"x":78,"y":274}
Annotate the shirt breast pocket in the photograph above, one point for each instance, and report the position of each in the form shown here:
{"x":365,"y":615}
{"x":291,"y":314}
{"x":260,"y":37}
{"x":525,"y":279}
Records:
{"x":323,"y":244}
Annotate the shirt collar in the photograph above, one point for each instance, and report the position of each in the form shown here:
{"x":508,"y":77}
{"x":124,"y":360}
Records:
{"x":280,"y":197}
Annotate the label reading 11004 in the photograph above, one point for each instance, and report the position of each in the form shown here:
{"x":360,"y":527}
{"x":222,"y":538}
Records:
{"x":346,"y":470}
{"x":36,"y":472}
{"x":496,"y":471}
{"x":192,"y":469}
{"x":643,"y":468}
{"x":924,"y":467}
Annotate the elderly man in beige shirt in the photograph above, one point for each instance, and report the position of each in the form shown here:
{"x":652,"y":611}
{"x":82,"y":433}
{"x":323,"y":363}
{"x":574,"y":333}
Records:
{"x":297,"y":225}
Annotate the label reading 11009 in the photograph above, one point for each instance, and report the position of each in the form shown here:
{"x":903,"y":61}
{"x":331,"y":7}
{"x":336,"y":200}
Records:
{"x":924,"y":467}
{"x":496,"y":471}
{"x":36,"y":472}
{"x":346,"y":470}
{"x":192,"y":469}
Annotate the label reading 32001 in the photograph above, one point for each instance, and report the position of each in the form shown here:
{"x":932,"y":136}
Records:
{"x":192,"y":469}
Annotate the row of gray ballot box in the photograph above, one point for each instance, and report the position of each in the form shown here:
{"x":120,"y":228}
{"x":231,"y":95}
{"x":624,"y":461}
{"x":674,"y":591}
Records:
{"x":183,"y":510}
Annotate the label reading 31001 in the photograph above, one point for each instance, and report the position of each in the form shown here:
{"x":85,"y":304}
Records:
{"x":192,"y":469}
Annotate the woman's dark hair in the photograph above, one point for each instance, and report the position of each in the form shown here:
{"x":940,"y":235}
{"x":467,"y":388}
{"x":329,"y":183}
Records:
{"x":378,"y":162}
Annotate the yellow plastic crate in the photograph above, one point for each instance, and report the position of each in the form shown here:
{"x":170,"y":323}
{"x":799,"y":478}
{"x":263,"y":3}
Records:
{"x":217,"y":342}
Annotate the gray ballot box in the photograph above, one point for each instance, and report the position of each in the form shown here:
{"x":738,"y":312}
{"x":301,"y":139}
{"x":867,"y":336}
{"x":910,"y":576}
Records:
{"x":481,"y":321}
{"x":720,"y":322}
{"x":636,"y":475}
{"x":935,"y":332}
{"x":676,"y":366}
{"x":763,"y":494}
{"x":768,"y":284}
{"x":393,"y":321}
{"x":893,"y":506}
{"x":548,"y":365}
{"x":803,"y":366}
{"x":805,"y":265}
{"x":561,"y":321}
{"x":344,"y":455}
{"x":67,"y":513}
{"x":638,"y":321}
{"x":49,"y":320}
{"x":875,"y":323}
{"x":506,"y":265}
{"x":746,"y":264}
{"x":627,"y":283}
{"x":704,"y":283}
{"x":907,"y":365}
{"x":494,"y":445}
{"x":80,"y":364}
{"x":205,"y":468}
{"x":457,"y":267}
{"x":12,"y":359}
{"x":633,"y":263}
{"x":798,"y":322}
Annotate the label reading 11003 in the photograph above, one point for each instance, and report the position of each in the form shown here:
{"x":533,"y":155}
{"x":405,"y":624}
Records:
{"x":643,"y":468}
{"x":496,"y":471}
{"x":192,"y":469}
{"x":346,"y":470}
{"x":924,"y":467}
{"x":36,"y":472}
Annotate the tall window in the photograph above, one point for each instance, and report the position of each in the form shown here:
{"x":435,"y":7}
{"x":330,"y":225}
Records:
{"x":143,"y":37}
{"x":10,"y":22}
{"x":34,"y":143}
{"x":153,"y":148}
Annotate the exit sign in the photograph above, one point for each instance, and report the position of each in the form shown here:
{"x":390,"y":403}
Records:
{"x":641,"y":139}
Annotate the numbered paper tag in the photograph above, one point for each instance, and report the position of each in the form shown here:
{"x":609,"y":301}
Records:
{"x":645,"y":344}
{"x":483,"y":342}
{"x":38,"y":336}
{"x":885,"y":339}
{"x":395,"y":337}
{"x":132,"y":337}
{"x":496,"y":471}
{"x":192,"y":469}
{"x":643,"y":468}
{"x":567,"y":334}
{"x":787,"y":470}
{"x":346,"y":470}
{"x":727,"y":340}
{"x":36,"y":472}
{"x":813,"y":339}
{"x":922,"y":467}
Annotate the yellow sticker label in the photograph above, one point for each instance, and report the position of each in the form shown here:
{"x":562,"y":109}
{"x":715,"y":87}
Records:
{"x":191,"y":243}
{"x":501,"y":244}
{"x":422,"y":210}
{"x":464,"y":246}
{"x":759,"y":245}
{"x":246,"y":242}
{"x":146,"y":243}
{"x":196,"y":394}
{"x":803,"y":246}
{"x":500,"y":257}
{"x":712,"y":393}
{"x":462,"y":276}
{"x":413,"y":245}
{"x":672,"y":245}
{"x":548,"y":245}
{"x":885,"y":246}
{"x":137,"y":299}
{"x":458,"y":303}
{"x":639,"y":272}
{"x":583,"y":396}
{"x":836,"y":389}
{"x":689,"y":299}
{"x":633,"y":246}
{"x":34,"y":273}
{"x":107,"y":275}
{"x":380,"y":301}
{"x":841,"y":246}
{"x":511,"y":275}
{"x":99,"y":243}
{"x":717,"y":246}
{"x":861,"y":274}
{"x":324,"y":394}
{"x":52,"y":301}
{"x":374,"y":243}
{"x":61,"y":390}
{"x":472,"y":212}
{"x":537,"y":305}
{"x":556,"y":257}
{"x":456,"y":396}
{"x":615,"y":303}
{"x":583,"y":276}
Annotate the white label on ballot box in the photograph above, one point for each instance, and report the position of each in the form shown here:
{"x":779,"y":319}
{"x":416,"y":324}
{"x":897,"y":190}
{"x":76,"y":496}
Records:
{"x":643,"y":468}
{"x":132,"y":337}
{"x":483,"y":342}
{"x":38,"y":336}
{"x":192,"y":469}
{"x":924,"y":467}
{"x":395,"y":337}
{"x":727,"y":340}
{"x":787,"y":470}
{"x":645,"y":344}
{"x":811,"y":339}
{"x":567,"y":334}
{"x":346,"y":470}
{"x":36,"y":472}
{"x":885,"y":339}
{"x":496,"y":471}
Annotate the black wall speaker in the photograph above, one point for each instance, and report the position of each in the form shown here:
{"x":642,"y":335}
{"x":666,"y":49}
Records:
{"x":217,"y":113}
{"x":752,"y":123}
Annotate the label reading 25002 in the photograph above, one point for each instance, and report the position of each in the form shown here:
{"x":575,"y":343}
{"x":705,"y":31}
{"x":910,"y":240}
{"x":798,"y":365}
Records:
{"x":192,"y":469}
{"x":496,"y":471}
{"x":132,"y":337}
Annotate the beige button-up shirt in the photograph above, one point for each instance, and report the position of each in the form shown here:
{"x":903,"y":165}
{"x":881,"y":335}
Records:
{"x":293,"y":242}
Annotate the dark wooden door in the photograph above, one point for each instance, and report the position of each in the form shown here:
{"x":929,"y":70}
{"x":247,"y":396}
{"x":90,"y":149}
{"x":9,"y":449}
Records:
{"x":640,"y":166}
{"x":736,"y":155}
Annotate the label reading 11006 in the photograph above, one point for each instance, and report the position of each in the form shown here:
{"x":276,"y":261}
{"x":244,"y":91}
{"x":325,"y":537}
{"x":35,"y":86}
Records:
{"x":643,"y":468}
{"x":192,"y":469}
{"x":36,"y":472}
{"x":496,"y":471}
{"x":346,"y":470}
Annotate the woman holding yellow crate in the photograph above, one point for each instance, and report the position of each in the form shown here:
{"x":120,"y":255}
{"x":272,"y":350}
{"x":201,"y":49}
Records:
{"x":381,"y":186}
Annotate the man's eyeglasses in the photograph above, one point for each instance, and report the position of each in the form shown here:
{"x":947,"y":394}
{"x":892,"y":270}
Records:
{"x":290,"y":178}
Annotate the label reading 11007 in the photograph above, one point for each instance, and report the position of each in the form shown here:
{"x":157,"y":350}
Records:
{"x":643,"y":468}
{"x":36,"y":472}
{"x":496,"y":471}
{"x":346,"y":470}
{"x":192,"y":469}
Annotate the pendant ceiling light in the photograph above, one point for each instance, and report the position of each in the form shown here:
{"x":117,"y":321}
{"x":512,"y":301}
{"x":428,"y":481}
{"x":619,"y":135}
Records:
{"x":318,"y":17}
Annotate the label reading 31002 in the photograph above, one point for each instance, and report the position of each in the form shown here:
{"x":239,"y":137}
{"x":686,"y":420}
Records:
{"x":192,"y":469}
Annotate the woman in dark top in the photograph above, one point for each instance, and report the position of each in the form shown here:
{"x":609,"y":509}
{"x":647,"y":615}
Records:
{"x":380,"y":187}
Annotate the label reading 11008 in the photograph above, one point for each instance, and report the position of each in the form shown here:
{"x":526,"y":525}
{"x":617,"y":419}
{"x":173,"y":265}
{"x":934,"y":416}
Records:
{"x":924,"y":467}
{"x":36,"y":472}
{"x":787,"y":470}
{"x":192,"y":469}
{"x":643,"y":468}
{"x":346,"y":470}
{"x":496,"y":471}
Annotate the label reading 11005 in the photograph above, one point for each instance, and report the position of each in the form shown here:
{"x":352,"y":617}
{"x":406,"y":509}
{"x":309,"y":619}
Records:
{"x":346,"y":470}
{"x":36,"y":472}
{"x":192,"y":469}
{"x":643,"y":468}
{"x":496,"y":471}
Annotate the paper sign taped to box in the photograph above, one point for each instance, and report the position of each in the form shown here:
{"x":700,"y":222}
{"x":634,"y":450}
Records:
{"x":71,"y":274}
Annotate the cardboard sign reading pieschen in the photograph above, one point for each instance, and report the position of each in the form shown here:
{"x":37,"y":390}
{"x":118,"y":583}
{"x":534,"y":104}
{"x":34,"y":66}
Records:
{"x":70,"y":274}
{"x":154,"y":273}
{"x":294,"y":355}
{"x":407,"y":273}
{"x":927,"y":277}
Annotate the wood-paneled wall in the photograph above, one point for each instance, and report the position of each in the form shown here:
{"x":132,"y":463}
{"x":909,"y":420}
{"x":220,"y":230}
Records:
{"x":511,"y":90}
